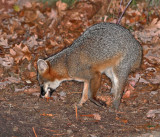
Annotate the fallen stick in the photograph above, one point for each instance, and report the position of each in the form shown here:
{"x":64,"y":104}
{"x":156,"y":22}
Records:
{"x":34,"y":132}
{"x":89,"y":115}
{"x":76,"y":112}
{"x":59,"y":134}
{"x":50,"y":130}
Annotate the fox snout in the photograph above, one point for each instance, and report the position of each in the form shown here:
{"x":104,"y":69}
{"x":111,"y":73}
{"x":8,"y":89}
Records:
{"x":47,"y":93}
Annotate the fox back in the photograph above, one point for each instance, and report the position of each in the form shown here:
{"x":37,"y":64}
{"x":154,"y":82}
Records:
{"x":103,"y":48}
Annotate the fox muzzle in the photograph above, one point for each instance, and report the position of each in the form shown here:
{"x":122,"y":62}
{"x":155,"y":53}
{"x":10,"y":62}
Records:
{"x":47,"y":93}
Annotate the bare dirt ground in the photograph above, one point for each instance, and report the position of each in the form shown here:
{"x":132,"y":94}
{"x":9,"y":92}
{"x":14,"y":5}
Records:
{"x":35,"y":31}
{"x":21,"y":114}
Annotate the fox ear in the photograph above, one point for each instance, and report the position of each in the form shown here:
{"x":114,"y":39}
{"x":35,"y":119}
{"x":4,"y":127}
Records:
{"x":42,"y":65}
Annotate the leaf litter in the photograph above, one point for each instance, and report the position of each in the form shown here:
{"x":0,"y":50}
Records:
{"x":32,"y":30}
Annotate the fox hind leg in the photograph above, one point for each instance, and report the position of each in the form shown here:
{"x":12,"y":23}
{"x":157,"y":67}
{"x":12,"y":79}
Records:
{"x":118,"y":76}
{"x":95,"y":83}
{"x":111,"y":74}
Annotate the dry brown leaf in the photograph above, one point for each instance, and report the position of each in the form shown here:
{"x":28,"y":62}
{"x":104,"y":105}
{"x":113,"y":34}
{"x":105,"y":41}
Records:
{"x":155,"y":24}
{"x":32,"y":41}
{"x":32,"y":74}
{"x":28,"y":4}
{"x":1,"y":72}
{"x":88,"y":115}
{"x":152,"y":113}
{"x":32,"y":90}
{"x":52,"y":14}
{"x":4,"y":42}
{"x":129,"y":89}
{"x":49,"y":115}
{"x":122,"y":120}
{"x":27,"y":53}
{"x":13,"y":80}
{"x":97,"y":116}
{"x":17,"y":53}
{"x":7,"y":61}
{"x":30,"y":15}
{"x":61,"y":6}
{"x":127,"y":94}
{"x":80,"y":14}
{"x":20,"y":53}
{"x":106,"y":99}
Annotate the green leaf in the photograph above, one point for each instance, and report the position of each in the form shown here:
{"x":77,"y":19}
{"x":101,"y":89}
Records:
{"x":16,"y":8}
{"x":150,"y":126}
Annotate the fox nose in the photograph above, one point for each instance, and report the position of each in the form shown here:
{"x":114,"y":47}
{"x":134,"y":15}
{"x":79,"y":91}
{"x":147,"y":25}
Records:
{"x":48,"y":93}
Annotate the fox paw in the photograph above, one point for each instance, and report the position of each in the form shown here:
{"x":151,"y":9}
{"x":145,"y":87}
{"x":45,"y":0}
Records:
{"x":78,"y":105}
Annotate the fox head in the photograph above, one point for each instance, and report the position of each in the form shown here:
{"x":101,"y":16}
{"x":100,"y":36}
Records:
{"x":46,"y":78}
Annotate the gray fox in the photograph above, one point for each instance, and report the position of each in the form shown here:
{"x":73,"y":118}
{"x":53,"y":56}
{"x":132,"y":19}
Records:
{"x":103,"y":48}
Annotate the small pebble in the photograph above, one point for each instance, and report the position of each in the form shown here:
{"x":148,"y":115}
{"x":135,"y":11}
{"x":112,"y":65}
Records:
{"x":62,"y":94}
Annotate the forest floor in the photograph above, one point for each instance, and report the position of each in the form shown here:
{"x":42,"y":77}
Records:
{"x":32,"y":30}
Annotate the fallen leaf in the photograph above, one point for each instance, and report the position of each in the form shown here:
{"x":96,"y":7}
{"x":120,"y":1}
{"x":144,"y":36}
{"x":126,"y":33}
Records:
{"x":20,"y":53}
{"x":106,"y":99}
{"x":78,"y":16}
{"x":9,"y":80}
{"x":97,"y":116}
{"x":28,"y":4}
{"x":127,"y":94}
{"x":155,"y":24}
{"x":122,"y":120}
{"x":7,"y":61}
{"x":49,"y":115}
{"x":30,"y":15}
{"x":32,"y":41}
{"x":1,"y":71}
{"x":32,"y":74}
{"x":4,"y":43}
{"x":32,"y":90}
{"x":88,"y":115}
{"x":152,"y":113}
{"x":62,"y":94}
{"x":61,"y":6}
{"x":52,"y":14}
{"x":13,"y":79}
{"x":3,"y":84}
{"x":16,"y":8}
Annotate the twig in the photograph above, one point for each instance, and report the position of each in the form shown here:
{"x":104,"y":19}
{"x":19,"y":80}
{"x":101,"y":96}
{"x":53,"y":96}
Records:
{"x":89,"y":115}
{"x":59,"y":134}
{"x":92,"y":121}
{"x":109,"y":6}
{"x":50,"y":130}
{"x":148,"y":10}
{"x":34,"y":132}
{"x":123,"y":12}
{"x":76,"y":112}
{"x":74,"y":92}
{"x":137,"y":82}
{"x":120,"y":8}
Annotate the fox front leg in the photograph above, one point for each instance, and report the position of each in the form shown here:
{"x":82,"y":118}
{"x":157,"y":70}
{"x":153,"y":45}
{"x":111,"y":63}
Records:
{"x":84,"y":94}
